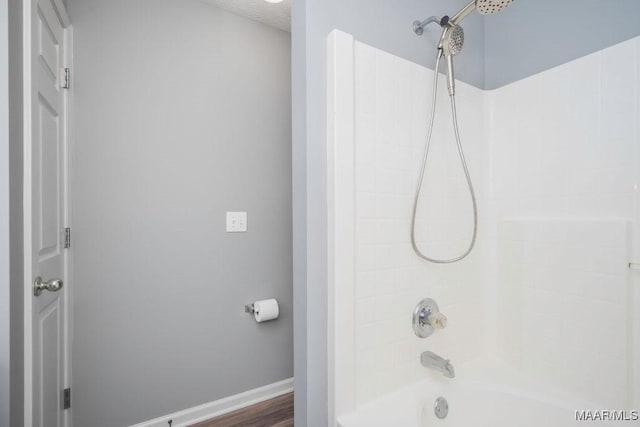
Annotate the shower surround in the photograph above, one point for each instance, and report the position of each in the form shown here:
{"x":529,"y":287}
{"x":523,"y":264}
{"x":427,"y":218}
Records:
{"x":546,"y":292}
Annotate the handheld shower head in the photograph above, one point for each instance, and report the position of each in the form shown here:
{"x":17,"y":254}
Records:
{"x":450,"y":45}
{"x":452,"y":40}
{"x":484,"y":7}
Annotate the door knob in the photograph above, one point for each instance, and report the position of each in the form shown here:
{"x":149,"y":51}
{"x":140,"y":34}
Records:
{"x":40,"y":285}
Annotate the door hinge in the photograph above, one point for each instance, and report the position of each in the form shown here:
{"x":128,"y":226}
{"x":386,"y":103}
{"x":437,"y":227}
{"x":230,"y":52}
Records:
{"x":67,"y":238}
{"x":67,"y":398}
{"x":66,"y":78}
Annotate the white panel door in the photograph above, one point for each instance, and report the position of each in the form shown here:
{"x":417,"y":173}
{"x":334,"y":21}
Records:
{"x":45,"y":179}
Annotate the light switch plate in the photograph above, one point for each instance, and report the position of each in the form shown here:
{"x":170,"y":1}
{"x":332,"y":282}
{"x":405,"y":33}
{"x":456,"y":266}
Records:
{"x":236,"y":222}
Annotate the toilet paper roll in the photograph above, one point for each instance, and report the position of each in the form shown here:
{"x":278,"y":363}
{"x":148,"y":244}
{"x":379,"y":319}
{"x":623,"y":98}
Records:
{"x":266,"y":310}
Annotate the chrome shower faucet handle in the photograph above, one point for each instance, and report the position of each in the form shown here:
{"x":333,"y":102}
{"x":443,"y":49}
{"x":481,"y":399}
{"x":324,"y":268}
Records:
{"x":427,"y":318}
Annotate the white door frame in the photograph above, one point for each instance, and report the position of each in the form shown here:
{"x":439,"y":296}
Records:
{"x":27,"y":205}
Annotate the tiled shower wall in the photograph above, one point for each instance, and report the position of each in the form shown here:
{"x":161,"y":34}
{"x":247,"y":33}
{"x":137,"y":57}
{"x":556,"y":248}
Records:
{"x":563,"y":305}
{"x":556,"y":152}
{"x":564,"y":150}
{"x":564,"y":143}
{"x":391,"y":114}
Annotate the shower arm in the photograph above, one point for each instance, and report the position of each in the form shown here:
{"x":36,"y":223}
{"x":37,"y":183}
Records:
{"x":418,"y":27}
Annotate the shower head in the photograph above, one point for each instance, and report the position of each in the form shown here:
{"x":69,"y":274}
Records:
{"x":450,"y":45}
{"x":484,"y":7}
{"x":452,"y":40}
{"x":489,"y":7}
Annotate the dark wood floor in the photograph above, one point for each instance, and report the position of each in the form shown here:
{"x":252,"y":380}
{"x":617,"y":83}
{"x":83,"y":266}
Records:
{"x":276,"y":412}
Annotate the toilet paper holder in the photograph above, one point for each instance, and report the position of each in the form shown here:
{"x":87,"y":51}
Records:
{"x":264,"y":310}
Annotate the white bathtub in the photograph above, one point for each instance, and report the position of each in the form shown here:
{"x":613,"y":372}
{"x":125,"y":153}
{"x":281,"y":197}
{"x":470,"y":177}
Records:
{"x":472,"y":403}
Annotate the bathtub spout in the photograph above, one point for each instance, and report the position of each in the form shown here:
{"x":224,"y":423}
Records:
{"x":433,"y":361}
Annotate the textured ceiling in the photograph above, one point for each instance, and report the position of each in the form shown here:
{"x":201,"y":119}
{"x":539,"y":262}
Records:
{"x":275,"y":14}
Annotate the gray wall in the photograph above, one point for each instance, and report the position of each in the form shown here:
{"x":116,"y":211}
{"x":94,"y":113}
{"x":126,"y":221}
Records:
{"x":182,"y":112}
{"x":16,"y":221}
{"x":5,"y":354}
{"x":534,"y":35}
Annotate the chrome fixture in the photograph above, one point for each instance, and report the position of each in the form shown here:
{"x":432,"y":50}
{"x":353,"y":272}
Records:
{"x":451,"y":43}
{"x":53,"y":285}
{"x":441,"y":408}
{"x":427,"y":318}
{"x":431,"y":360}
{"x":418,"y":27}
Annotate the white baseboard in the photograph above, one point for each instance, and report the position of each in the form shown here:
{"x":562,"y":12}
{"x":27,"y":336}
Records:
{"x":220,"y":407}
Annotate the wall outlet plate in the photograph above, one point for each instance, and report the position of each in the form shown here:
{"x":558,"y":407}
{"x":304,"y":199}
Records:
{"x":236,"y":222}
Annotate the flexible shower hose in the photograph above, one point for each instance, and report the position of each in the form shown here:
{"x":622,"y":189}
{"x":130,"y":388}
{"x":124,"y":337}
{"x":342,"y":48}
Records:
{"x":424,"y":167}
